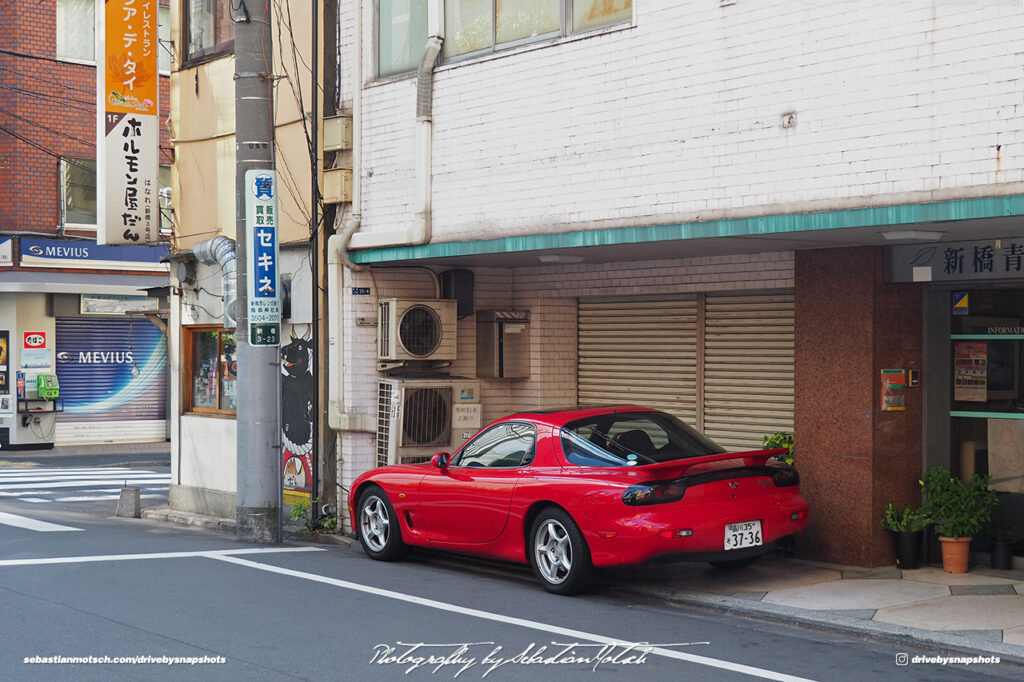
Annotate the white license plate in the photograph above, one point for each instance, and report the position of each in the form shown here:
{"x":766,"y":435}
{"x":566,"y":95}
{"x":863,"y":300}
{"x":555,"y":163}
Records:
{"x":745,"y":534}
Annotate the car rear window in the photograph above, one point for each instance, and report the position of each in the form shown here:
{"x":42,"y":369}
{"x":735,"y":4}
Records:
{"x":632,"y":439}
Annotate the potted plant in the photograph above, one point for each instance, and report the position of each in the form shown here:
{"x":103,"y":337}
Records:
{"x":907,"y":528}
{"x":781,"y":439}
{"x":1001,"y":549}
{"x":959,"y":510}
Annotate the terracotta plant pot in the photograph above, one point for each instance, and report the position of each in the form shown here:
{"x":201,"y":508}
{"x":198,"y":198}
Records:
{"x":955,"y":554}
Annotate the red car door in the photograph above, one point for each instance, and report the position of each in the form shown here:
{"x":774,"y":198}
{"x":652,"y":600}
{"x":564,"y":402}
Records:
{"x":467,"y":503}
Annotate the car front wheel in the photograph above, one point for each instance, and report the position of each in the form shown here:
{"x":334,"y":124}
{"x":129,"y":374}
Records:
{"x":379,"y":533}
{"x":558,"y":553}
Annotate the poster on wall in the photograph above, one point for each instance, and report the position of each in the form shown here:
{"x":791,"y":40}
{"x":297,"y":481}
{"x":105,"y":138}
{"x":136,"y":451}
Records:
{"x":297,"y":417}
{"x":5,"y":375}
{"x":970,"y":371}
{"x":1006,"y":455}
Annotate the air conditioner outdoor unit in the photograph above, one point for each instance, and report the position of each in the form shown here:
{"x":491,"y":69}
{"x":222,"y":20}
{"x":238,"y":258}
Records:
{"x":416,"y":329}
{"x":419,"y":417}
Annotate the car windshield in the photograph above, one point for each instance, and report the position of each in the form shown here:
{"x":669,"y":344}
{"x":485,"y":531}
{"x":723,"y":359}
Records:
{"x":632,"y":439}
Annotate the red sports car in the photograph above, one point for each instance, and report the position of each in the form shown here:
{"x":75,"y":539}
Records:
{"x":570,"y":490}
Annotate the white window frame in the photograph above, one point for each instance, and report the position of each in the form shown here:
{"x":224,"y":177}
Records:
{"x":565,"y":29}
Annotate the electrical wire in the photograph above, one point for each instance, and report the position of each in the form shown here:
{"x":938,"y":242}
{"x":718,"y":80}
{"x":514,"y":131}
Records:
{"x":88,"y":143}
{"x":62,"y":86}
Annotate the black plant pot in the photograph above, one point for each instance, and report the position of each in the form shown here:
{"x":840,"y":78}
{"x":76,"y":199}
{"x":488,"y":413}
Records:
{"x":1001,"y":554}
{"x":908,"y":548}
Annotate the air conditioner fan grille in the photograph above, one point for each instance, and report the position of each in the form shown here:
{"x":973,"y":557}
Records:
{"x":420,"y":330}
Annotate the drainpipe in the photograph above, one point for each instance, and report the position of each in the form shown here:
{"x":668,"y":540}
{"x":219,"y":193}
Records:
{"x":221,"y":251}
{"x":338,"y":244}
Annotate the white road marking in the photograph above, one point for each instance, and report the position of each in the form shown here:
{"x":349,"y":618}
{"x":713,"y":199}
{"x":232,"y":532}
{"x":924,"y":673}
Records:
{"x":101,"y":498}
{"x":81,"y":484}
{"x":32,"y":524}
{"x":520,"y":622}
{"x":210,"y":554}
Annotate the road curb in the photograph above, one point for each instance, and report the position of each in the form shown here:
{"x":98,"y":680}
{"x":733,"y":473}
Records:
{"x":941,"y":643}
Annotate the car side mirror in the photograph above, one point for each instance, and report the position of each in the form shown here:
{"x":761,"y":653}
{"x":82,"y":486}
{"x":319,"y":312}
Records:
{"x":440,"y":460}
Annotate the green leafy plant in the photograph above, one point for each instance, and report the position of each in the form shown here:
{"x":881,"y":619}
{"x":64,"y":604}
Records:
{"x":958,"y":508}
{"x":909,"y":519}
{"x":781,"y":439}
{"x":300,"y":514}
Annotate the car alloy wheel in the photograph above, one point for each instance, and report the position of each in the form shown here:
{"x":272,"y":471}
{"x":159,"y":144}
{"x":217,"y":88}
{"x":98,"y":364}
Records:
{"x":559,"y":554}
{"x":378,"y":526}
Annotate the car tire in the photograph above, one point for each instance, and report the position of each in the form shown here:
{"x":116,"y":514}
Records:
{"x":379,"y":532}
{"x":736,"y":563}
{"x":558,"y":553}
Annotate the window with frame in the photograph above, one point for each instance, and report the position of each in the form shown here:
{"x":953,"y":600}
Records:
{"x":78,"y":194}
{"x":479,"y":26}
{"x":401,"y":35}
{"x":78,"y":191}
{"x":207,"y":28}
{"x":211,"y":370}
{"x":76,"y":32}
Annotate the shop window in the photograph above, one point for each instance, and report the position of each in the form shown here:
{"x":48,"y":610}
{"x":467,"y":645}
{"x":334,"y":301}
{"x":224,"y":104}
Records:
{"x":401,"y":35}
{"x":211,"y":370}
{"x":473,"y":26}
{"x":76,"y":32}
{"x":208,"y":28}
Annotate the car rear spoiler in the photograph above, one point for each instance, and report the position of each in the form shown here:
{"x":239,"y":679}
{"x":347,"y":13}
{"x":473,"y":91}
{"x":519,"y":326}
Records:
{"x":679,"y":467}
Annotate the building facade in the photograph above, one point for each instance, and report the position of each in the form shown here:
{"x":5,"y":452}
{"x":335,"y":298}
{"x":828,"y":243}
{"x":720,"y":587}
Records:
{"x":88,"y":314}
{"x":704,"y":207}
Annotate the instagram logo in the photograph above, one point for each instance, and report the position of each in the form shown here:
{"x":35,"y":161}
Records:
{"x":902,"y":659}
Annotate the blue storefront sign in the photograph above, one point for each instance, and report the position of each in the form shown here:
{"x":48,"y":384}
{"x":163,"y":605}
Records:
{"x":53,"y":253}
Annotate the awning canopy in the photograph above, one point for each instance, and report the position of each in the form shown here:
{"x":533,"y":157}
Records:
{"x":27,"y":281}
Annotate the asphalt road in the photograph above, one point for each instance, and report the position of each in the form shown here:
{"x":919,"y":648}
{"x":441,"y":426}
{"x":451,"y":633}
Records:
{"x":114,"y":589}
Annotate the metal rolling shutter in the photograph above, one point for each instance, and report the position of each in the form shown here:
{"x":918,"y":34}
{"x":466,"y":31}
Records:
{"x":641,"y":352}
{"x":748,"y":368}
{"x":104,"y":401}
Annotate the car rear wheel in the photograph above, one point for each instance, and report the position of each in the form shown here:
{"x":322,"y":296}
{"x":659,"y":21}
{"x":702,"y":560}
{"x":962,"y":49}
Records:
{"x":558,"y":553}
{"x":736,"y":563}
{"x":379,"y":533}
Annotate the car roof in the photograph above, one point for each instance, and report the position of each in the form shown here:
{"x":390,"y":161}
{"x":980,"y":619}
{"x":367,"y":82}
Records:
{"x":560,"y":416}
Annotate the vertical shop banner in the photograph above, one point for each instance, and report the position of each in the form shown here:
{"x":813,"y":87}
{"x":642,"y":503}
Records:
{"x":970,"y":371}
{"x":262,"y":257}
{"x":128,"y":124}
{"x":5,"y":375}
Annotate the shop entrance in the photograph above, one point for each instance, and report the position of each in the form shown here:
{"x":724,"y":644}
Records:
{"x":987,"y":397}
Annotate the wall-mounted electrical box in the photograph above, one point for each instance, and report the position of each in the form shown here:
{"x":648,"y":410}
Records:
{"x":503,"y":344}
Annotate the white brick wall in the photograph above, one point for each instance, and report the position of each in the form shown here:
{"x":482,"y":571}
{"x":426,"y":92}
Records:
{"x":678,"y":118}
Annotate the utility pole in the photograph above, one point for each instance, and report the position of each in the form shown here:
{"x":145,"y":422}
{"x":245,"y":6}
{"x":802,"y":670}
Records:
{"x":258,"y":498}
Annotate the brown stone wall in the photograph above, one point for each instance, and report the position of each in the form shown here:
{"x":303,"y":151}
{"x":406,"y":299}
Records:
{"x":853,"y":458}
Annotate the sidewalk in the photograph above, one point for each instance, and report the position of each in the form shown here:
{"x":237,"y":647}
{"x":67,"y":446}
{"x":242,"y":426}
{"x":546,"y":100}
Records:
{"x":979,"y":613}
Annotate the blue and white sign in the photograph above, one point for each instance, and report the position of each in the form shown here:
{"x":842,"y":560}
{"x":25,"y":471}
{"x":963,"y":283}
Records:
{"x":262,"y":257}
{"x":55,"y":253}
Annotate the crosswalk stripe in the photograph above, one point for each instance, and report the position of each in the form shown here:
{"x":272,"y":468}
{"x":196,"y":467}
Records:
{"x":32,"y":524}
{"x":81,"y":476}
{"x":79,"y":484}
{"x":98,"y":498}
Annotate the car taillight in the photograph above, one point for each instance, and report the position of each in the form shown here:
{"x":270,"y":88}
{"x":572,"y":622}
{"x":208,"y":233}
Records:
{"x":656,"y":492}
{"x":785,"y":476}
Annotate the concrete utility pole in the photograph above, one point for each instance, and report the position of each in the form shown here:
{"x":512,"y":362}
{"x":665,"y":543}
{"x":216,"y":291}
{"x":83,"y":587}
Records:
{"x":258,"y":501}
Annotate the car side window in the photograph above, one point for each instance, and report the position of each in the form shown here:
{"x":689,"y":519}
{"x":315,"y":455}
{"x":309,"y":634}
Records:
{"x":505,"y":445}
